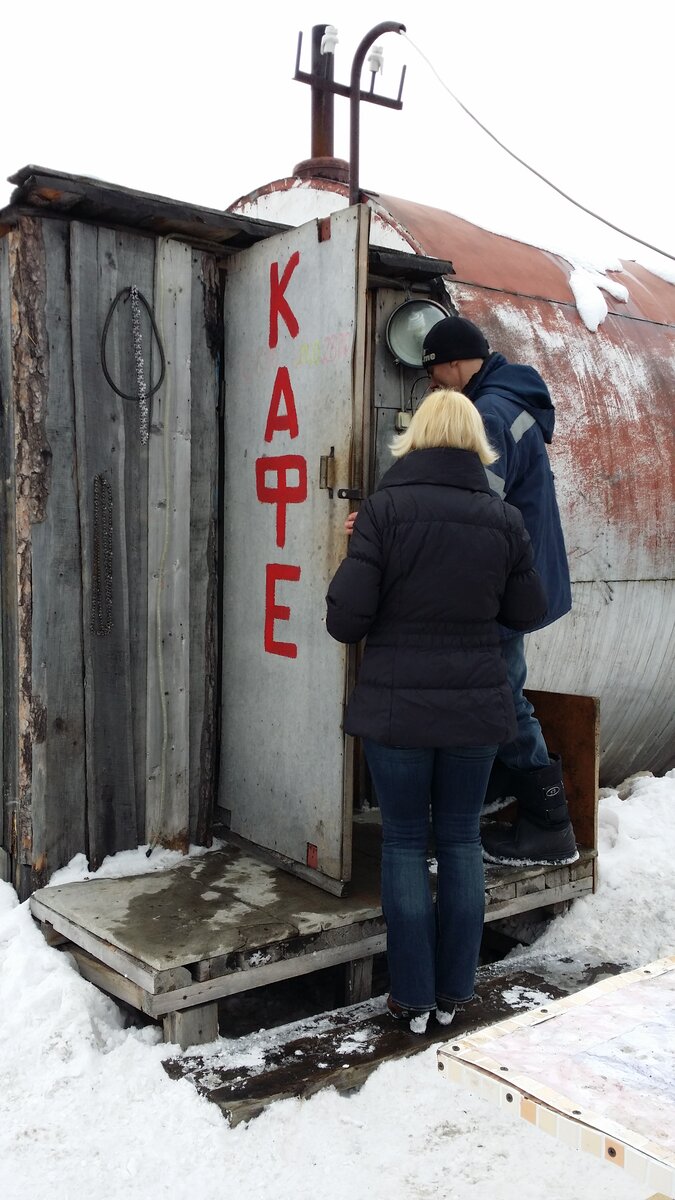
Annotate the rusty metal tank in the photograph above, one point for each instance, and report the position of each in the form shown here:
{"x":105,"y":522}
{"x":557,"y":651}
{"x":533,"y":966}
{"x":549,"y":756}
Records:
{"x":612,"y":455}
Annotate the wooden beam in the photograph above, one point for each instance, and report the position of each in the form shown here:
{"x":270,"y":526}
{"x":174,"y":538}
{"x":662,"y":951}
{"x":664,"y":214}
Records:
{"x":108,"y":203}
{"x":359,"y":980}
{"x":397,"y":264}
{"x":242,"y":981}
{"x":108,"y":980}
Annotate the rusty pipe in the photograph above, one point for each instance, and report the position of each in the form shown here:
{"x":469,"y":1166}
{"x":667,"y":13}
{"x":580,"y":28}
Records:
{"x":322,"y":101}
{"x":354,"y":99}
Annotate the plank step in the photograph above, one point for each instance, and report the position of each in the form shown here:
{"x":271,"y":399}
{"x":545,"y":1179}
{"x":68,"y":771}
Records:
{"x":340,"y":1049}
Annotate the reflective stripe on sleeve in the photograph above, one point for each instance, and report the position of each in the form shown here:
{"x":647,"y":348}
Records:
{"x":521,"y":425}
{"x":495,"y":482}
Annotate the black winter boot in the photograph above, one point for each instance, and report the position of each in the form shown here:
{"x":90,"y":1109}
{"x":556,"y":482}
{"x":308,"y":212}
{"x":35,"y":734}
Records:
{"x":542,"y":834}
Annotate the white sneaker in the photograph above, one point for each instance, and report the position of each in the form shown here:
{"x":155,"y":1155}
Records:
{"x":418,"y":1024}
{"x":444,"y":1016}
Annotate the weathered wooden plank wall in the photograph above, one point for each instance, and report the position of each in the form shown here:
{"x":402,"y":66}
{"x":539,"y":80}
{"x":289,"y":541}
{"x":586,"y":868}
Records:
{"x":207,"y":339}
{"x":168,"y":658}
{"x":28,"y":457}
{"x":9,"y":735}
{"x":107,"y":432}
{"x":87,"y":728}
{"x":58,"y":770}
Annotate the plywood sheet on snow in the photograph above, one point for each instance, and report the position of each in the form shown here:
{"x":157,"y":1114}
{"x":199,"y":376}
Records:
{"x":597,"y":1070}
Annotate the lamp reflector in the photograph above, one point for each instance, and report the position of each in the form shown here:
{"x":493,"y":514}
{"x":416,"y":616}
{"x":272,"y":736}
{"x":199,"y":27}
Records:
{"x":407,"y":328}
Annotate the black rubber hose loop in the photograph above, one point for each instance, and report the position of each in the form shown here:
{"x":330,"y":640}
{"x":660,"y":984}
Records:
{"x":151,"y":391}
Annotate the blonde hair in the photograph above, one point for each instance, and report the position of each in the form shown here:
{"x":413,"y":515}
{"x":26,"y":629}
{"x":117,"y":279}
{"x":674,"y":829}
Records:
{"x":445,"y":418}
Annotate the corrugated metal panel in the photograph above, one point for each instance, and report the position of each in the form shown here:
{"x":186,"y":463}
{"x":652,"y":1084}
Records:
{"x":617,"y":643}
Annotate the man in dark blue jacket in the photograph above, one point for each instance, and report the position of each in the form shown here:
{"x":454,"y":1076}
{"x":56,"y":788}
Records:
{"x":519,"y":418}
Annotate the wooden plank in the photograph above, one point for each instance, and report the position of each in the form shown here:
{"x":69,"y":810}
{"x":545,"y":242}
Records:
{"x":398,"y":265}
{"x":527,"y":886}
{"x":242,"y":981}
{"x":206,"y":358}
{"x":523,"y":903}
{"x":107,"y":434}
{"x":58,"y":742}
{"x":126,"y":259}
{"x":583,"y":869}
{"x":194,"y":1027}
{"x":168,"y":664}
{"x":8,"y":607}
{"x":287,"y":948}
{"x":152,"y":981}
{"x":27,"y":454}
{"x":103,"y":202}
{"x":496,"y":892}
{"x":340,"y":1049}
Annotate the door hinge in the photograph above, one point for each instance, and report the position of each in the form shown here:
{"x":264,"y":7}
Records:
{"x":327,"y":471}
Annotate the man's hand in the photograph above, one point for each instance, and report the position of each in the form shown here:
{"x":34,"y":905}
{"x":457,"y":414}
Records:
{"x":349,"y":523}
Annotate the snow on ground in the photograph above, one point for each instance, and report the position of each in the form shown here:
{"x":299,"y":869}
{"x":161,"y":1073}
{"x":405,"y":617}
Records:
{"x":87,"y":1110}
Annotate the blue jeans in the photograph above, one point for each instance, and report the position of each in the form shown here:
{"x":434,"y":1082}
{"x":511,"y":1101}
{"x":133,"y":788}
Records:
{"x":432,"y":949}
{"x":528,"y":750}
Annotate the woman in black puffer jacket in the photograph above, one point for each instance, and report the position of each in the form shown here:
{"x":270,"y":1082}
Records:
{"x":435,"y":561}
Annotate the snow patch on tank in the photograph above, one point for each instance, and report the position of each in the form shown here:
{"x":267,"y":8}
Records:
{"x":587,"y":288}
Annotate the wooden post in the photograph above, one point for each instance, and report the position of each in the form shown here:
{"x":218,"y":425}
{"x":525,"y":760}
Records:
{"x":192,"y":1026}
{"x":358,"y":980}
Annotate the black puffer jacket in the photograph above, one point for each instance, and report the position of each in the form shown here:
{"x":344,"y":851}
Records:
{"x":434,"y":561}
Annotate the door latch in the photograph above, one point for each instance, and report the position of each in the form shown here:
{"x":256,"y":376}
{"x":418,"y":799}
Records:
{"x":327,"y":478}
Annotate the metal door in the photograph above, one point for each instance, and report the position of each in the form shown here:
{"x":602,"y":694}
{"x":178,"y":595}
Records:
{"x":294,"y":312}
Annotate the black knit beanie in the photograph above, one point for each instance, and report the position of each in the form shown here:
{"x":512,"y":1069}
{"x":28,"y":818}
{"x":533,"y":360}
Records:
{"x":453,"y":338}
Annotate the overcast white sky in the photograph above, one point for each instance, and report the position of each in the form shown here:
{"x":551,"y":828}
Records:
{"x":197,"y":101}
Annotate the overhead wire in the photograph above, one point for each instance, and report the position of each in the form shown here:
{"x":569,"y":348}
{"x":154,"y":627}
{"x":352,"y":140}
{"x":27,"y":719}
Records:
{"x":533,"y":170}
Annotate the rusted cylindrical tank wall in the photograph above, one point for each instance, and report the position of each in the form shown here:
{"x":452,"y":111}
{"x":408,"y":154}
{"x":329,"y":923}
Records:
{"x":612,"y":457}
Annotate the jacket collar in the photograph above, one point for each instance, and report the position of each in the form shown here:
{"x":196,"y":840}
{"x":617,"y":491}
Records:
{"x":519,"y":384}
{"x":442,"y":465}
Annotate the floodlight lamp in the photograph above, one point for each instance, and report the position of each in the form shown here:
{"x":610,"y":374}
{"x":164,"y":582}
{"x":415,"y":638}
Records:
{"x":407,"y":328}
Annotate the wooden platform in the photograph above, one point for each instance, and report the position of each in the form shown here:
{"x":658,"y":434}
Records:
{"x":340,"y":1049}
{"x":173,"y":943}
